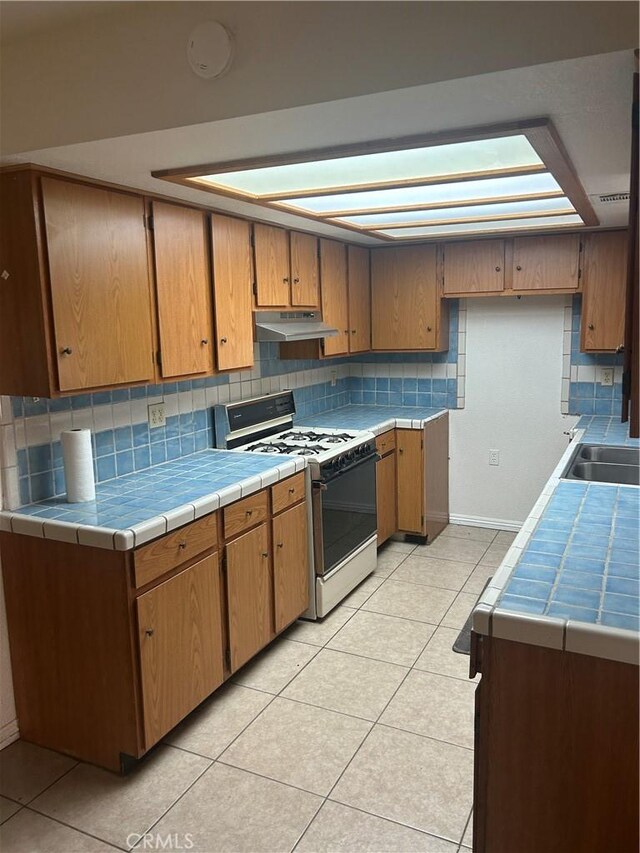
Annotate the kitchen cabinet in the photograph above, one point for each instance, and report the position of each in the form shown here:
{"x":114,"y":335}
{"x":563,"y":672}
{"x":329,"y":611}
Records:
{"x":290,"y":565}
{"x":305,"y":272}
{"x":334,"y":295}
{"x":183,"y":290}
{"x":604,"y":291}
{"x":286,"y":268}
{"x":472,"y":267}
{"x":232,"y":279}
{"x":161,"y":626}
{"x":75,"y":296}
{"x":249,"y":594}
{"x":359,"y":292}
{"x":180,"y":645}
{"x":407,"y":312}
{"x":423,"y":478}
{"x":543,"y":264}
{"x":386,"y":486}
{"x":556,"y":750}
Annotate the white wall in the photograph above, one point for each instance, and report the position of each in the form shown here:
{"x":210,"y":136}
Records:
{"x":513,"y":385}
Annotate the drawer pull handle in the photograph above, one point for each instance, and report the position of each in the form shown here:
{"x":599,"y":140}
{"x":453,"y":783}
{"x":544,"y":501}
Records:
{"x":182,"y":544}
{"x":518,"y":267}
{"x":285,"y":280}
{"x":296,"y":280}
{"x":149,"y":632}
{"x":249,"y":513}
{"x":280,"y":544}
{"x":428,"y":328}
{"x":265,"y":553}
{"x":223,"y":340}
{"x":292,"y":490}
{"x":66,"y":351}
{"x":400,"y":450}
{"x":591,"y":327}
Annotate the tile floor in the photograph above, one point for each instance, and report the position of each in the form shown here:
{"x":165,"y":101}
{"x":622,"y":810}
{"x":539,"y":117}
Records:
{"x":353,"y":734}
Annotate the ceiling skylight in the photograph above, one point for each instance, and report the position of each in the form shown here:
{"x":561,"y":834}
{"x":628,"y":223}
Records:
{"x":514,"y":178}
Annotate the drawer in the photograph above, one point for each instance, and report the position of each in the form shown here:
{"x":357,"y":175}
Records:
{"x":287,"y":492}
{"x":246,"y":513}
{"x":155,"y":559}
{"x":386,"y":442}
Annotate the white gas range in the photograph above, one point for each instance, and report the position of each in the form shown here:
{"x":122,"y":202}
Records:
{"x":341,"y":485}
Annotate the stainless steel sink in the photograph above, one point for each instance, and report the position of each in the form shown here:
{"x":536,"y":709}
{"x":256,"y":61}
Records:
{"x":601,"y":463}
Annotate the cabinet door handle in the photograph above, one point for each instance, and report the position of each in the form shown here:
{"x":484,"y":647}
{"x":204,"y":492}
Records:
{"x":518,"y":267}
{"x":285,"y":280}
{"x":265,"y":553}
{"x":66,"y":351}
{"x":291,"y":490}
{"x":182,"y":544}
{"x":249,"y":513}
{"x":223,"y":340}
{"x":280,"y":544}
{"x":296,"y":280}
{"x":428,"y":328}
{"x":149,"y":632}
{"x":591,"y":327}
{"x":204,"y":342}
{"x":498,"y":269}
{"x":620,"y":348}
{"x":400,"y":450}
{"x":353,"y":331}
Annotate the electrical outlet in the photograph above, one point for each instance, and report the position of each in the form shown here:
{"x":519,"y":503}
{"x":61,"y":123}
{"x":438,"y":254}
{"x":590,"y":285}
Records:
{"x":334,"y":377}
{"x":157,"y":417}
{"x":494,"y":457}
{"x":606,"y":376}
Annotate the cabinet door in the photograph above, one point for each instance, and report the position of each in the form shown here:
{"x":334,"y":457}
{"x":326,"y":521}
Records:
{"x":271,"y":253}
{"x":335,"y":304}
{"x":180,"y":643}
{"x":404,"y":298}
{"x":359,"y":299}
{"x":546,"y":263}
{"x":604,"y":296}
{"x":232,"y":292}
{"x":290,"y":565}
{"x":410,"y":480}
{"x":472,"y":267}
{"x":386,"y":497}
{"x":183,"y":288}
{"x":249,"y":595}
{"x":100,"y":291}
{"x":305,"y":275}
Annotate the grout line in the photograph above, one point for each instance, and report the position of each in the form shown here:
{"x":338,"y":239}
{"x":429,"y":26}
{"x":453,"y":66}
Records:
{"x":55,"y":781}
{"x":68,"y":826}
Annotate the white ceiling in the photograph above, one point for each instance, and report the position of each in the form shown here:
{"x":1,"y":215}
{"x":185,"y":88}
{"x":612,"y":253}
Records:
{"x":588,"y":100}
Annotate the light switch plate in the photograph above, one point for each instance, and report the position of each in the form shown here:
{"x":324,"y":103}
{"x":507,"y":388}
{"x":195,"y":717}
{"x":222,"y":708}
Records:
{"x":157,"y":417}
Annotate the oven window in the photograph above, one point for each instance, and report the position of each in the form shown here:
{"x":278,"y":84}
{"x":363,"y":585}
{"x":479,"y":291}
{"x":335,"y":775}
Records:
{"x":348,"y":512}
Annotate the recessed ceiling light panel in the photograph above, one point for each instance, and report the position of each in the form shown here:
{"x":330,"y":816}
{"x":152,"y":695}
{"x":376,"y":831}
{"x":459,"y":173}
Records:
{"x":491,"y":226}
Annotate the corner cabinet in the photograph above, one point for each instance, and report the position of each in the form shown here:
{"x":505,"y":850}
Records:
{"x":604,"y":292}
{"x":407,"y":312}
{"x":159,"y":627}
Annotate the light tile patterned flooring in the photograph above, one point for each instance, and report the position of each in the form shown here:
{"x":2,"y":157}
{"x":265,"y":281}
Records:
{"x":353,"y":734}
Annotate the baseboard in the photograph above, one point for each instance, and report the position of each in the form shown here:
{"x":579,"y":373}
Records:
{"x":9,"y":733}
{"x":479,"y":521}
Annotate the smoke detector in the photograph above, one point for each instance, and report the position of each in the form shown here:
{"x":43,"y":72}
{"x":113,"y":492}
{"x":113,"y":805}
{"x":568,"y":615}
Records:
{"x":609,"y":198}
{"x":210,"y":50}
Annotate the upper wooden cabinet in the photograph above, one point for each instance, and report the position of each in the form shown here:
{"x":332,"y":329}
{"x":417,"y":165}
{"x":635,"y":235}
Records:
{"x":546,"y":263}
{"x":334,"y":295}
{"x":472,"y":267}
{"x":286,"y":268}
{"x":183,"y":290}
{"x":359,"y":289}
{"x":305,"y":273}
{"x":604,"y":291}
{"x":406,"y":310}
{"x":231,"y":249}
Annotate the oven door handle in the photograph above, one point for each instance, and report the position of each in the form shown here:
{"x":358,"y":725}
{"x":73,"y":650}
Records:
{"x":373,"y":458}
{"x":318,"y":486}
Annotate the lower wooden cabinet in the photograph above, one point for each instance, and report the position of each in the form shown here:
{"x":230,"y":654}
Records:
{"x":249,"y":595}
{"x":410,"y":480}
{"x":180,"y":645}
{"x":386,"y":487}
{"x":290,"y":565}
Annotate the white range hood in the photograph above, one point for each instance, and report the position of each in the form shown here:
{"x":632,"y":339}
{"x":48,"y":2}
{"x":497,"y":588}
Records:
{"x":274,"y":326}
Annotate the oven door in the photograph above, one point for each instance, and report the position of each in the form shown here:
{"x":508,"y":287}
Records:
{"x":344,"y":513}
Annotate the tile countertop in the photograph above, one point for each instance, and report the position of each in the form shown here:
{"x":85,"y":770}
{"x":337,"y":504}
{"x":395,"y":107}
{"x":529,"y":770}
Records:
{"x":375,"y":419}
{"x":571,"y":579}
{"x":135,"y":508}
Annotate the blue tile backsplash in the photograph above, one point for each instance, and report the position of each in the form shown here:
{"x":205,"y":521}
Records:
{"x":587,"y":396}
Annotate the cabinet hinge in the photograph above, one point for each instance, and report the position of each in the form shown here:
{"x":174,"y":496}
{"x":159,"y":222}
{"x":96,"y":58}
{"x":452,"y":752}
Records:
{"x":254,"y":287}
{"x":148,"y":221}
{"x":227,"y":657}
{"x":159,"y":358}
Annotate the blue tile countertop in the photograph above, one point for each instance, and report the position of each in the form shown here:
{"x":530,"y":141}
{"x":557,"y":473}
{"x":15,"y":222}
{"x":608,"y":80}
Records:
{"x":137,"y":507}
{"x":571,"y":579}
{"x":376,"y":419}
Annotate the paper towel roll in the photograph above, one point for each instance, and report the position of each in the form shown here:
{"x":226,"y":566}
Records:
{"x":77,"y":457}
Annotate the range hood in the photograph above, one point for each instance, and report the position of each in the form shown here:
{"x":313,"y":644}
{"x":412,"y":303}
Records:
{"x":274,"y":326}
